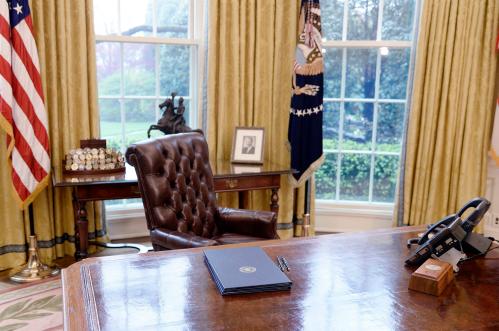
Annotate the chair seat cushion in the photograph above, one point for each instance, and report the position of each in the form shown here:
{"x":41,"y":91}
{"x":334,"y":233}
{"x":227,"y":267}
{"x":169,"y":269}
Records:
{"x":234,"y":238}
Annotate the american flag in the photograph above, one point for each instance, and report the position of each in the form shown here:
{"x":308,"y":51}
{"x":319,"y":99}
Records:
{"x":306,"y":112}
{"x":22,"y":109}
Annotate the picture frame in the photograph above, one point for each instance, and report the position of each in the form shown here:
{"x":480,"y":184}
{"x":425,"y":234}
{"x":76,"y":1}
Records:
{"x":248,"y":145}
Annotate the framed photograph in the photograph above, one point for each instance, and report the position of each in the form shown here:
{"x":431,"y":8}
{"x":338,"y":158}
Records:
{"x":247,"y":146}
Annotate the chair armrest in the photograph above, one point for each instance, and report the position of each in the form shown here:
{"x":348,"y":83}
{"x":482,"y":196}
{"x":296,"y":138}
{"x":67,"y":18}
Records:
{"x":177,"y":240}
{"x":262,"y":224}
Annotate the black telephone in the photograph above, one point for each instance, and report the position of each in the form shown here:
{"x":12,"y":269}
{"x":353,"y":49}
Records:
{"x":481,"y":206}
{"x":453,"y":232}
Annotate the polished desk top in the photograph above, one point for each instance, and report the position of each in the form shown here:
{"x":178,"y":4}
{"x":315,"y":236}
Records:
{"x":222,"y":169}
{"x":344,"y":282}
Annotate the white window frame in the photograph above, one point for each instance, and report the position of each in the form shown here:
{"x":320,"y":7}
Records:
{"x":350,"y":216}
{"x":126,"y":221}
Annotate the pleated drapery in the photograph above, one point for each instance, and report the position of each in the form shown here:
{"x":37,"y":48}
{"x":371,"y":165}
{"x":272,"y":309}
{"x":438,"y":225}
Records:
{"x":452,"y":108}
{"x":250,"y":59}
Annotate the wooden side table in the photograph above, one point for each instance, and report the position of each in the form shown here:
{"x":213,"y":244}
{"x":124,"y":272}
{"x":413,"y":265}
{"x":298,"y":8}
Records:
{"x":227,"y":178}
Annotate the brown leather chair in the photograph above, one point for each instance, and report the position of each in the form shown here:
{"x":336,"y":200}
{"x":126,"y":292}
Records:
{"x":176,"y":184}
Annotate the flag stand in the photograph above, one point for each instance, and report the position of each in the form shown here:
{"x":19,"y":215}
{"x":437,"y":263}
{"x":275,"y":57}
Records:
{"x":305,"y":228}
{"x":34,"y":269}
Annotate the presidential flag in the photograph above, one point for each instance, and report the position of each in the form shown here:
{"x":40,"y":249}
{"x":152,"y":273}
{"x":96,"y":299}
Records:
{"x":305,"y":118}
{"x":494,"y":149}
{"x":22,"y":110}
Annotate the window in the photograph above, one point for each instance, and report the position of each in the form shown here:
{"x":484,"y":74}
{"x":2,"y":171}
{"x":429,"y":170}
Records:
{"x":368,"y":45}
{"x":145,"y":50}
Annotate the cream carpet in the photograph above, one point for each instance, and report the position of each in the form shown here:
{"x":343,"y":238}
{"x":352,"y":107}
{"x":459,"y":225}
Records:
{"x":38,"y":306}
{"x":32,"y":306}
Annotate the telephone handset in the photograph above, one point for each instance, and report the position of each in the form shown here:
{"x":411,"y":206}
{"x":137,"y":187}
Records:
{"x":481,"y":206}
{"x":444,"y":222}
{"x":452,"y":231}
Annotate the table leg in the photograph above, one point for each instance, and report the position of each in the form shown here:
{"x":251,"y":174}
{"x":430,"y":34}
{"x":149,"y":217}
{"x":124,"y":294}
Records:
{"x":241,"y":199}
{"x":81,"y":230}
{"x":274,"y":201}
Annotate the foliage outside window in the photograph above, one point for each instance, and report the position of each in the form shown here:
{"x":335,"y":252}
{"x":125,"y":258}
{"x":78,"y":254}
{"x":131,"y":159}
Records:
{"x":145,"y":50}
{"x":368,"y":45}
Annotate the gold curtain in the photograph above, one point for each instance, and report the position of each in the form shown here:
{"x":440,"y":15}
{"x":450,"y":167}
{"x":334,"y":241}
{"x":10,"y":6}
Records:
{"x":452,"y":108}
{"x":66,"y":47}
{"x":250,"y":58}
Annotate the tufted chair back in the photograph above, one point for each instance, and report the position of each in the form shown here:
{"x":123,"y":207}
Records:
{"x":176,"y":183}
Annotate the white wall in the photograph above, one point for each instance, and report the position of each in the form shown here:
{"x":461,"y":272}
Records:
{"x":352,"y":217}
{"x":126,"y":223}
{"x":491,"y":224}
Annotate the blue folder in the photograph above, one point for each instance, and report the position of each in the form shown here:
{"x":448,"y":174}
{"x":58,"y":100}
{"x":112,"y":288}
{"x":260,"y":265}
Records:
{"x":245,"y":270}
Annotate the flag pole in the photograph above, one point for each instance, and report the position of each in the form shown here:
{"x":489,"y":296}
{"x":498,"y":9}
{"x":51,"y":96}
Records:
{"x":33,"y":270}
{"x":305,"y":232}
{"x":23,"y":88}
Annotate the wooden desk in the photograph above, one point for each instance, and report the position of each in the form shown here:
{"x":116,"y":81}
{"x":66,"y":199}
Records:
{"x":345,"y":282}
{"x":227,"y":178}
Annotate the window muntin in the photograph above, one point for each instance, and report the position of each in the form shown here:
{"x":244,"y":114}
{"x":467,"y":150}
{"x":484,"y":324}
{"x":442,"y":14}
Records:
{"x":145,"y":50}
{"x":368,"y":47}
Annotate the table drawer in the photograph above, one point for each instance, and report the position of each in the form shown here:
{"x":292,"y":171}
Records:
{"x":246,"y":183}
{"x":108,"y":192}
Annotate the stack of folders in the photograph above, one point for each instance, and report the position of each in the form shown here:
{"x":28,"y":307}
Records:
{"x":245,"y":270}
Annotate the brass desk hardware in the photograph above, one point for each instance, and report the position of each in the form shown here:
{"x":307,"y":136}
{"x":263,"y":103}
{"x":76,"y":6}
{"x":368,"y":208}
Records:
{"x":231,"y":183}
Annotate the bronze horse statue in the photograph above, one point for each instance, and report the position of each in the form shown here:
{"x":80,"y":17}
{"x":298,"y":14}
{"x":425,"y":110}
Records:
{"x":172,"y":119}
